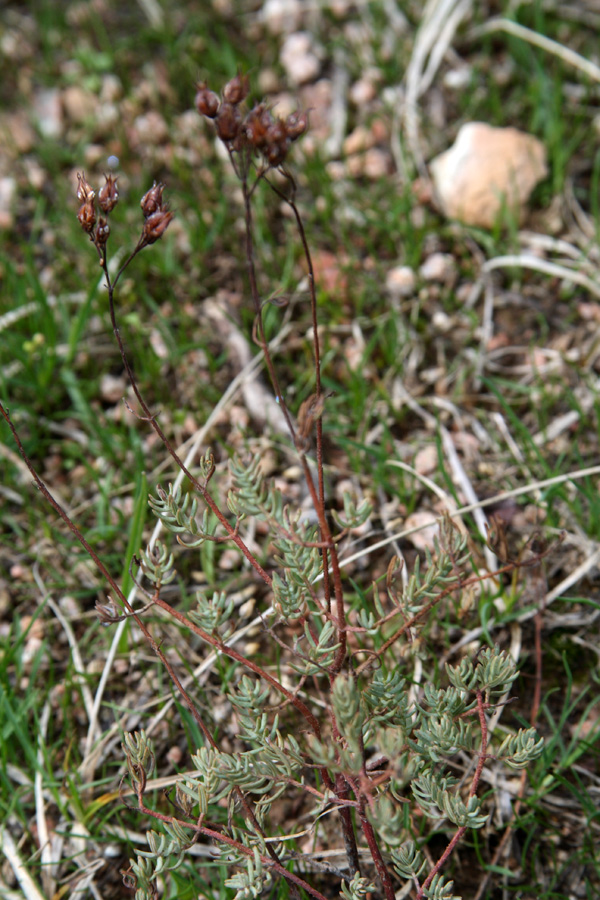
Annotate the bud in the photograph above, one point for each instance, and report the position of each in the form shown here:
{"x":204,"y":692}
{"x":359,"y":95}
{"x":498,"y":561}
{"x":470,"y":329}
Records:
{"x":155,"y":226}
{"x":84,"y":188}
{"x":228,"y":122}
{"x":102,"y":231}
{"x":207,"y":102}
{"x":296,"y":124}
{"x":87,"y":214}
{"x":236,"y":90}
{"x":108,"y":195}
{"x":151,"y":202}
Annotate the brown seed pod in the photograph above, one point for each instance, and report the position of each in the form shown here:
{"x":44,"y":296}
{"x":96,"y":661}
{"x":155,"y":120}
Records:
{"x":108,"y":195}
{"x":151,"y":202}
{"x":156,"y":225}
{"x":228,"y":122}
{"x":87,"y":214}
{"x":236,"y":90}
{"x":84,"y":188}
{"x":102,"y":232}
{"x":256,"y":124}
{"x":207,"y":102}
{"x":296,"y":124}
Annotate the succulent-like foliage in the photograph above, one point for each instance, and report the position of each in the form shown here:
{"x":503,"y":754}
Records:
{"x":157,"y":565}
{"x":212,"y":613}
{"x":356,"y":889}
{"x":252,"y":881}
{"x":251,"y":495}
{"x":520,"y":749}
{"x":354,"y":516}
{"x":177,"y":512}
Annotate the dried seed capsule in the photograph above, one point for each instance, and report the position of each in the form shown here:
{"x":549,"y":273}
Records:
{"x":207,"y":102}
{"x":256,"y":124}
{"x":84,"y":188}
{"x":102,"y":232}
{"x":228,"y":122}
{"x":155,"y":225}
{"x":87,"y":214}
{"x":236,"y":90}
{"x":296,"y":124}
{"x":151,"y":202}
{"x":108,"y":195}
{"x":276,"y":153}
{"x":277,"y":132}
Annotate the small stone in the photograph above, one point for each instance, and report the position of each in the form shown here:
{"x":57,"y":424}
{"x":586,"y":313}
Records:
{"x":174,"y":755}
{"x":441,"y":321}
{"x":377,"y":163}
{"x":112,"y":389}
{"x":358,"y":140}
{"x":428,"y":529}
{"x":362,"y":92}
{"x":36,"y":176}
{"x":486,"y":169}
{"x":299,"y":59}
{"x":458,"y":79}
{"x":247,"y":608}
{"x":427,"y":460}
{"x":8,"y":188}
{"x":151,"y":128}
{"x":401,"y":281}
{"x":281,"y":16}
{"x":48,"y":111}
{"x":78,"y":104}
{"x":112,"y":88}
{"x":268,"y":81}
{"x":439,"y":267}
{"x":19,"y":132}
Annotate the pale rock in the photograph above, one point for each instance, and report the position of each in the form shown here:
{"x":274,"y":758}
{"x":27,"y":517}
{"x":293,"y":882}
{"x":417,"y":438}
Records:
{"x":151,"y":128}
{"x":112,"y":388}
{"x":362,"y":91}
{"x":485,"y":169}
{"x":107,"y":115}
{"x":8,"y":187}
{"x":401,"y":281}
{"x":268,"y":81}
{"x":281,"y":16}
{"x":112,"y":88}
{"x":78,"y":104}
{"x":441,"y":321}
{"x":428,"y":529}
{"x":439,"y":267}
{"x":336,"y":170}
{"x":19,"y":132}
{"x":377,"y":163}
{"x":299,"y":59}
{"x":458,"y":79}
{"x":360,"y":139}
{"x":427,"y":460}
{"x":339,"y":8}
{"x":48,"y":111}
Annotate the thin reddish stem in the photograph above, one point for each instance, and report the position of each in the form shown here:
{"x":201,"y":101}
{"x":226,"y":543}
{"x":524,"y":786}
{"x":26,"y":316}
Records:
{"x":198,"y":486}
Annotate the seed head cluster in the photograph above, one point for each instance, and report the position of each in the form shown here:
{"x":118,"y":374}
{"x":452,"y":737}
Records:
{"x":96,"y":207}
{"x":253,"y":130}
